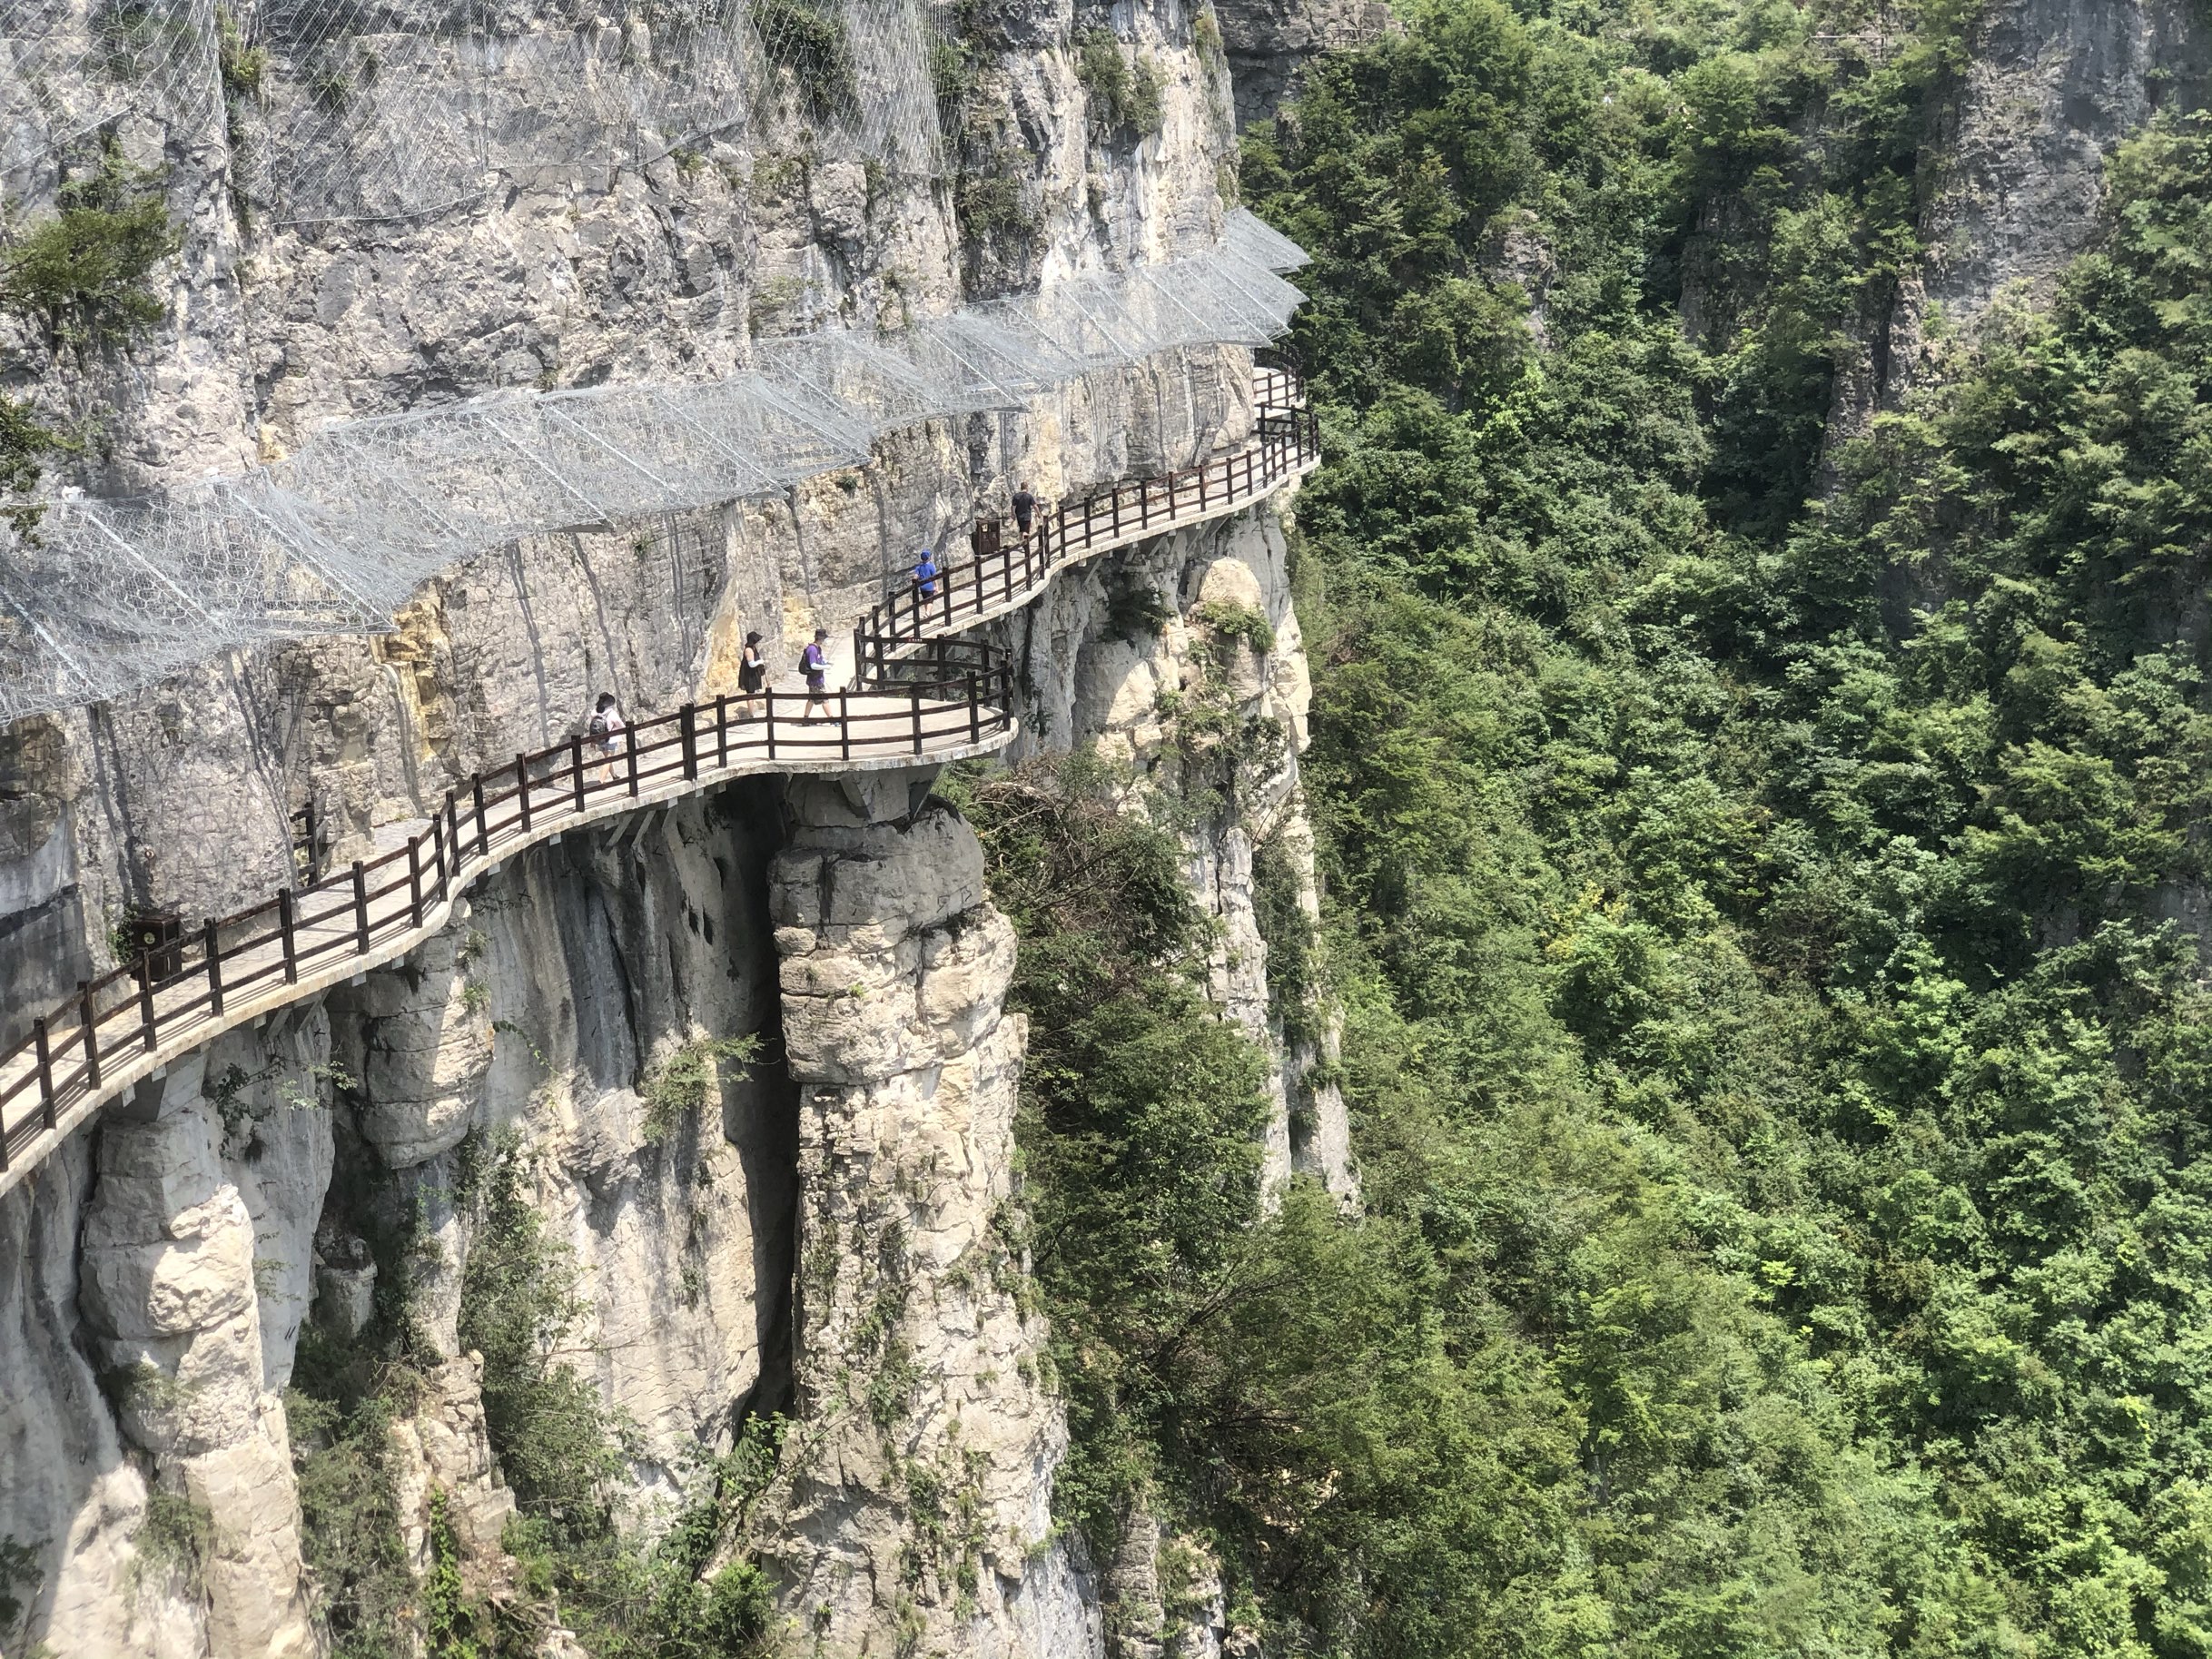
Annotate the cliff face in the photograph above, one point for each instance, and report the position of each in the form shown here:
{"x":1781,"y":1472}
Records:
{"x":829,"y":1238}
{"x":1130,"y":692}
{"x":1268,"y":41}
{"x":165,"y":1264}
{"x":2013,"y":171}
{"x":819,"y":1229}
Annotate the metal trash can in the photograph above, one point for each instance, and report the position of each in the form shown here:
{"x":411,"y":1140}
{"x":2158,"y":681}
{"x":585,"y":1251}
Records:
{"x":158,"y":935}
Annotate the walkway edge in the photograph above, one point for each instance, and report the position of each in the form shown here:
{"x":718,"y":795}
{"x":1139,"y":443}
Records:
{"x":118,"y":1078}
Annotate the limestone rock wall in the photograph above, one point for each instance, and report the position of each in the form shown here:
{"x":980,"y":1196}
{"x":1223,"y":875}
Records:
{"x":824,"y":1235}
{"x":181,"y":796}
{"x":1270,"y":41}
{"x":2014,"y":172}
{"x":159,"y":1270}
{"x":920,"y":1518}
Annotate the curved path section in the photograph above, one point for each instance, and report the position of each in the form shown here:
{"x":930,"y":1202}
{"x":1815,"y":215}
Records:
{"x":917,"y":696}
{"x":1009,"y":568}
{"x":231,"y":971}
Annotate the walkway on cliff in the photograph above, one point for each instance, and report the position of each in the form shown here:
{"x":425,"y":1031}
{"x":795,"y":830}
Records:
{"x":917,"y":696}
{"x":1009,"y":570}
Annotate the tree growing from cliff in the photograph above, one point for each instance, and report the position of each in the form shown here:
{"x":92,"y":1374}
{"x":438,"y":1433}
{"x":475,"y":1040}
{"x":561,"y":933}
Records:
{"x":85,"y":273}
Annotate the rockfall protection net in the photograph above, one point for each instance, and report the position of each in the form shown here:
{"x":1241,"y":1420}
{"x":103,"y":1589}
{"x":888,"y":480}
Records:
{"x":68,"y":67}
{"x":373,"y":108}
{"x":107,"y":596}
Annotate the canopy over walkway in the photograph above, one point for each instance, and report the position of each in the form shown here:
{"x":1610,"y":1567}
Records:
{"x":106,"y":597}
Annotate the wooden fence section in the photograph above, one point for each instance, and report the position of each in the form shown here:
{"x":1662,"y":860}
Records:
{"x":952,"y":703}
{"x":1009,"y":568}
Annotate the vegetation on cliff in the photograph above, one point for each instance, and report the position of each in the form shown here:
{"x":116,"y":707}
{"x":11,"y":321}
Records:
{"x":1764,"y":854}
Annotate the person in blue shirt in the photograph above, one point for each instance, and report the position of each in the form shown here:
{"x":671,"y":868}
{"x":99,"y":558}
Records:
{"x":925,"y":575}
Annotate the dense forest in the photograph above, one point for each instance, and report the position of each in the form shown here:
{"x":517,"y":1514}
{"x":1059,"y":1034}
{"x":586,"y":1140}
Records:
{"x":1761,"y":842}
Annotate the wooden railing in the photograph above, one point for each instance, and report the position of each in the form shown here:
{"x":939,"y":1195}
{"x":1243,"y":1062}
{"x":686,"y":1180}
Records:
{"x":1007,"y":568}
{"x":915,"y":695}
{"x":952,"y":701}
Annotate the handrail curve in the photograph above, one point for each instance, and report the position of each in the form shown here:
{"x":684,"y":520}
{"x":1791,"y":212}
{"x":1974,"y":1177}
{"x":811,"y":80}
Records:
{"x":1006,"y":570}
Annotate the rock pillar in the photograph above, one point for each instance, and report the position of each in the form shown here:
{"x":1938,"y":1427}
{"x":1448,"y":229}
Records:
{"x":173,"y":1307}
{"x":921,"y":1502}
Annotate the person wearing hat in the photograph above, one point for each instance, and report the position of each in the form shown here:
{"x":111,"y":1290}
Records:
{"x":752,"y":677}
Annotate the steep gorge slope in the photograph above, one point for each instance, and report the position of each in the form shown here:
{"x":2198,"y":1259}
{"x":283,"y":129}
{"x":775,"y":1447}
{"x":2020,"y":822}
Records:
{"x":1756,"y":768}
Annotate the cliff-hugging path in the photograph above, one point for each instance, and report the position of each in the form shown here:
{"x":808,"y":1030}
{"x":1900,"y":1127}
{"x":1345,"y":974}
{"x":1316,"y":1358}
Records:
{"x":916,"y":694}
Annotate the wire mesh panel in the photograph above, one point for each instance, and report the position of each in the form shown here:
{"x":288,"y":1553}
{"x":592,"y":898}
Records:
{"x":386,"y":107}
{"x":1251,"y":237}
{"x":103,"y":597}
{"x":107,"y":596}
{"x":69,"y":66}
{"x":366,"y":115}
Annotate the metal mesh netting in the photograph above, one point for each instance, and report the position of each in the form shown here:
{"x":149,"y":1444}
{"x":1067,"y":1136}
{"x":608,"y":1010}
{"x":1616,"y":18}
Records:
{"x":377,"y":108}
{"x":107,"y":596}
{"x":399,"y":106}
{"x":1253,"y":239}
{"x":68,"y":67}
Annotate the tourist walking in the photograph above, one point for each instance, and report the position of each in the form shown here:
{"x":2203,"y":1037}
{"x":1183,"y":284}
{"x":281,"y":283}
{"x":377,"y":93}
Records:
{"x":606,"y":731}
{"x":814,"y":662}
{"x":1026,"y":509}
{"x":752,"y":677}
{"x":926,"y":575}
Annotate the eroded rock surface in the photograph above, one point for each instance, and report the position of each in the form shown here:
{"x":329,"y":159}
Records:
{"x":920,"y":1516}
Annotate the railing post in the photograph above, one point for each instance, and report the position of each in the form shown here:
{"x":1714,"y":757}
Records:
{"x":768,"y":719}
{"x":844,"y":726}
{"x":414,"y":880}
{"x":722,"y":732}
{"x":629,"y":742}
{"x":453,"y":854}
{"x":145,"y":1000}
{"x":522,"y":790}
{"x":975,"y":711}
{"x":211,"y":947}
{"x":483,"y":830}
{"x":284,"y":932}
{"x":360,"y":906}
{"x":46,"y":1084}
{"x":438,"y":852}
{"x":89,"y":1017}
{"x":859,"y":654}
{"x":917,"y":713}
{"x":575,"y":769}
{"x":687,"y":727}
{"x":1117,"y":512}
